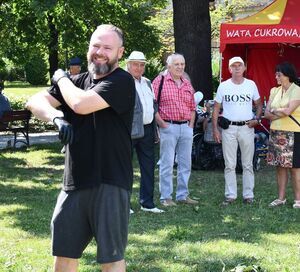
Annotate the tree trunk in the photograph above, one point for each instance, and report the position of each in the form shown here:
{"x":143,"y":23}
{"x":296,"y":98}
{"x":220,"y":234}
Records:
{"x":192,"y":32}
{"x":52,"y":46}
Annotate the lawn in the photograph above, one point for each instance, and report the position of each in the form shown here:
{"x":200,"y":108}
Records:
{"x":17,"y":89}
{"x":183,"y":239}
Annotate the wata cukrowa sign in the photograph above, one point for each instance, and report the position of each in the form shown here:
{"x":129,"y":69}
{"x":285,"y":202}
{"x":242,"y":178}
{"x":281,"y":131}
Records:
{"x":279,"y":22}
{"x":261,"y":32}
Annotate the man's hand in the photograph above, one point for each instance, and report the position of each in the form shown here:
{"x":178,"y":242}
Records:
{"x":65,"y":130}
{"x":252,"y":123}
{"x":58,"y":75}
{"x":217,"y":136}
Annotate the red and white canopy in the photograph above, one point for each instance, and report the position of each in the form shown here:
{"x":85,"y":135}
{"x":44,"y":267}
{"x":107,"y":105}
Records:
{"x":263,"y":40}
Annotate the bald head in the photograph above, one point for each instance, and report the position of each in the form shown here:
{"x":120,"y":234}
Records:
{"x":110,"y":28}
{"x":105,"y":50}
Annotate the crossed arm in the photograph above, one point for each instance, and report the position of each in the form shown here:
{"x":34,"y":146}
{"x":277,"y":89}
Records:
{"x":80,"y":101}
{"x":273,"y":114}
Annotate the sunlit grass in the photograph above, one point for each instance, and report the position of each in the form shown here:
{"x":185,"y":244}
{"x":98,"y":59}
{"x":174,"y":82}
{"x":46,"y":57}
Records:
{"x":205,"y":238}
{"x":21,"y":89}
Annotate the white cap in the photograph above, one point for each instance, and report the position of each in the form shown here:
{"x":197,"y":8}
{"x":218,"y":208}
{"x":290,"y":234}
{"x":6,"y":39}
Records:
{"x":137,"y":56}
{"x":198,"y":96}
{"x":235,"y":59}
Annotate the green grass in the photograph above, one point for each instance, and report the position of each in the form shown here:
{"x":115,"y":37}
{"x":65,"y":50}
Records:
{"x":18,"y":89}
{"x":205,"y":238}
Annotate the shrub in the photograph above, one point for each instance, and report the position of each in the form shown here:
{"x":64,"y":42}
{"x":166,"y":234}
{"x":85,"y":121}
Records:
{"x":215,"y":83}
{"x":36,"y":125}
{"x":36,"y":70}
{"x":153,"y":68}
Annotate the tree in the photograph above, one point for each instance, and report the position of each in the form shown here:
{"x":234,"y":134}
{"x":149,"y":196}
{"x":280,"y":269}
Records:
{"x":226,"y":12}
{"x":62,"y":27}
{"x":192,"y":32}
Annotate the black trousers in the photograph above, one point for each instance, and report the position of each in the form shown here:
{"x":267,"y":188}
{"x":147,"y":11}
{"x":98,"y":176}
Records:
{"x":144,"y":148}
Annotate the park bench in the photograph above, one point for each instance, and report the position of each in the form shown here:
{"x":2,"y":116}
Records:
{"x":16,"y":121}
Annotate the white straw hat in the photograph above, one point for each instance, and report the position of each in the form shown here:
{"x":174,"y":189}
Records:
{"x":137,"y":56}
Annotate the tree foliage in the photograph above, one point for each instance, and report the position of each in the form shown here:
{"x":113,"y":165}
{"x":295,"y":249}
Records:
{"x":62,"y":28}
{"x":36,"y":70}
{"x":226,"y":12}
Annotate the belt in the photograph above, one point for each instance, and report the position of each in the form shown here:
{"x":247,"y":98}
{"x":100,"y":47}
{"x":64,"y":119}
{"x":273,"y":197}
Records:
{"x":238,"y":123}
{"x":176,"y":122}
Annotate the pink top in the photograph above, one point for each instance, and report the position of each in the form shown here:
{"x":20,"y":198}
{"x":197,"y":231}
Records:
{"x":176,"y":103}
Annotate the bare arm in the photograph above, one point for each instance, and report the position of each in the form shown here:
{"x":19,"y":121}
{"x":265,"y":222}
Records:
{"x":294,"y":104}
{"x":268,"y":114}
{"x":43,"y":106}
{"x":80,"y":101}
{"x":259,"y":107}
{"x":160,"y":122}
{"x":192,"y":121}
{"x":215,"y":115}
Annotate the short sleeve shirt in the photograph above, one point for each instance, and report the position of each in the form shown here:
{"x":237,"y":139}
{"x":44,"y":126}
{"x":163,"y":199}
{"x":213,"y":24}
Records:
{"x":176,"y":103}
{"x":237,"y":99}
{"x":281,"y":100}
{"x":101,"y":151}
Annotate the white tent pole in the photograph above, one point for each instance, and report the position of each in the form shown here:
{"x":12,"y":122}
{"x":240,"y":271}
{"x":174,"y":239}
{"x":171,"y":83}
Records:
{"x":220,"y":64}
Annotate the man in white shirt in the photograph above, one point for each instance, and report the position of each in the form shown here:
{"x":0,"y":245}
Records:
{"x":236,"y":96}
{"x":144,"y":146}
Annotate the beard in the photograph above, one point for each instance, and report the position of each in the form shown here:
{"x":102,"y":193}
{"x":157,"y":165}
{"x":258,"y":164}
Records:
{"x":101,"y":69}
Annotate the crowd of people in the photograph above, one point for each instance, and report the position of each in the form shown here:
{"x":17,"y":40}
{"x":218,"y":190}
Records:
{"x":94,"y":113}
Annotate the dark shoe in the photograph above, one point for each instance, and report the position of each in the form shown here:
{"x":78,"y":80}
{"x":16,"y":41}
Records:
{"x":248,"y":200}
{"x":228,"y":201}
{"x":188,"y":201}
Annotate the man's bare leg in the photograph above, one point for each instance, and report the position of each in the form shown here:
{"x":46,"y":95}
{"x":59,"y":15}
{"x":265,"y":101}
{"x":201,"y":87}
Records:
{"x":119,"y":266}
{"x":62,"y":264}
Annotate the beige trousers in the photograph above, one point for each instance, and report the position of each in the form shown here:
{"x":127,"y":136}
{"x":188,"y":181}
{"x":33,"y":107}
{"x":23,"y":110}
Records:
{"x":231,"y":138}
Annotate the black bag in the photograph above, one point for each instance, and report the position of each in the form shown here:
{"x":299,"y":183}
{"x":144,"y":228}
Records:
{"x":223,"y":122}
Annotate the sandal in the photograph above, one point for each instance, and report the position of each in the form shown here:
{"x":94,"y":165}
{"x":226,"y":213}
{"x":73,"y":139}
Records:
{"x":278,"y":202}
{"x":296,"y":204}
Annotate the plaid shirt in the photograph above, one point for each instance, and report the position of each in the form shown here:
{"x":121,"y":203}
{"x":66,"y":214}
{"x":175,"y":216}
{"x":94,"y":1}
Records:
{"x":176,"y":103}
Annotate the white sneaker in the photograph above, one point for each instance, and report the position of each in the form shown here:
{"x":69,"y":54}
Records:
{"x":153,"y":210}
{"x":131,"y":211}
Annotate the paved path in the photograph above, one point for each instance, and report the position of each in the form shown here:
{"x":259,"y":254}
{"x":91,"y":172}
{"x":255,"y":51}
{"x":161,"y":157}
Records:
{"x":34,"y":138}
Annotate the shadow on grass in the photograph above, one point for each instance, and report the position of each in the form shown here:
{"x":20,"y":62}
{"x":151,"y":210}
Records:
{"x":209,"y":222}
{"x":32,"y":190}
{"x":33,"y":209}
{"x":156,"y":240}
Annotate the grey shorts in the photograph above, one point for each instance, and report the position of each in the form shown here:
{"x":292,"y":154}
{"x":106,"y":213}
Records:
{"x":100,"y":212}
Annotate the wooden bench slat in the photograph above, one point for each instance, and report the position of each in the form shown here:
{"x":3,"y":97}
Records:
{"x":16,"y":121}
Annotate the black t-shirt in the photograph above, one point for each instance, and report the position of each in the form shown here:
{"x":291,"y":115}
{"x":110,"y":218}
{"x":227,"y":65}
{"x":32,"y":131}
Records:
{"x":101,"y":150}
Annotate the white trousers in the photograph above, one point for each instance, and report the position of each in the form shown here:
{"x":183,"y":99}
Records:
{"x":231,"y":138}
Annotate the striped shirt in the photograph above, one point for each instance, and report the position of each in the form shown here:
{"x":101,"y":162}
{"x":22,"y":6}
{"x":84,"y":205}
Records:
{"x":176,"y":103}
